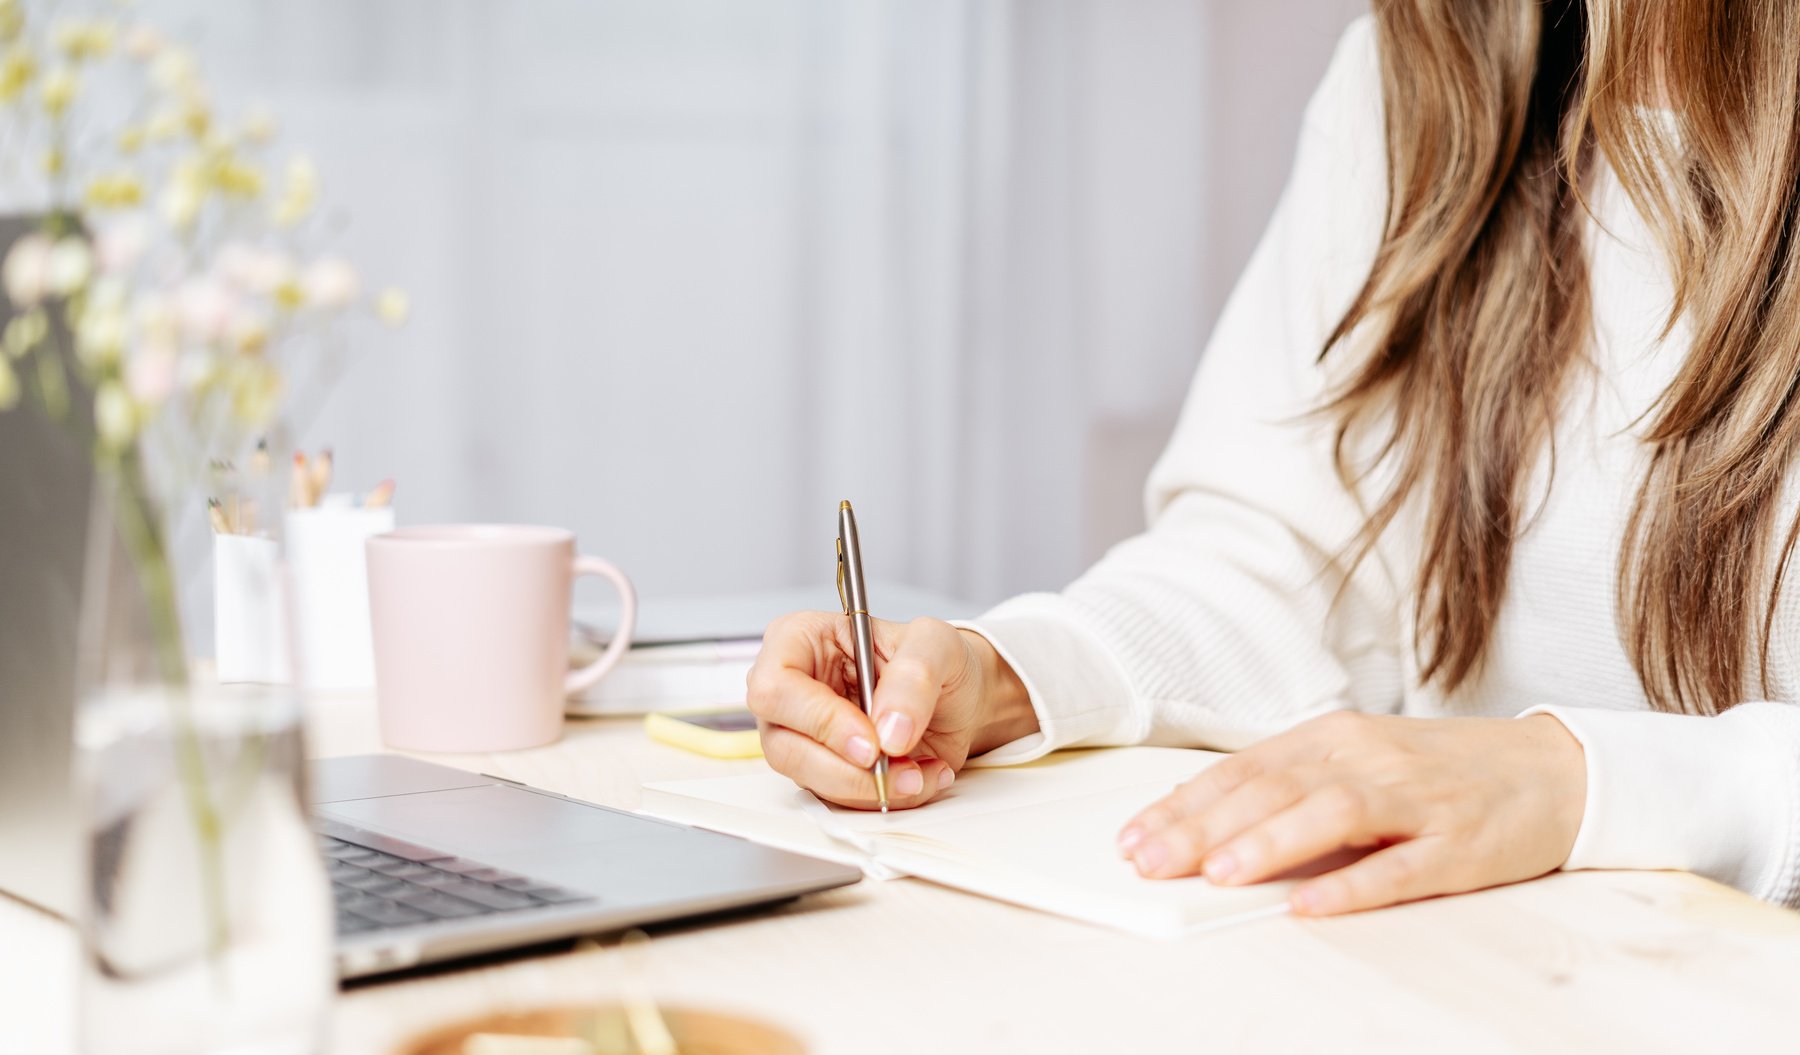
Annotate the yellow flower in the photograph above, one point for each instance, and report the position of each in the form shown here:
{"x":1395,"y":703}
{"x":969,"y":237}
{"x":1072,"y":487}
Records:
{"x":131,"y":139}
{"x":301,"y":191}
{"x":196,"y":118}
{"x":250,"y":336}
{"x":83,"y":39}
{"x":115,"y":418}
{"x":119,"y":190}
{"x":165,"y":125}
{"x":289,"y":295}
{"x":12,"y":20}
{"x":237,"y":179}
{"x":59,"y":91}
{"x":16,"y":72}
{"x":392,"y":306}
{"x":9,"y":386}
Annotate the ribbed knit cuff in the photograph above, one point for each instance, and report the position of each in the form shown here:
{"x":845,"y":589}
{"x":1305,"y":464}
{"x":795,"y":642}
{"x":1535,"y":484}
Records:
{"x":1713,"y":796}
{"x":1080,"y":694}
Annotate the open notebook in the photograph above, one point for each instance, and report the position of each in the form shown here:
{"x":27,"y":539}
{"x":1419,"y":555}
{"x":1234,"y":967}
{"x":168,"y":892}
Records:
{"x":1040,"y":835}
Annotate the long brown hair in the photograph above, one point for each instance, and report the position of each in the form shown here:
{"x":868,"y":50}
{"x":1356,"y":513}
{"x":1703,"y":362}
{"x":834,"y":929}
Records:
{"x":1477,"y":310}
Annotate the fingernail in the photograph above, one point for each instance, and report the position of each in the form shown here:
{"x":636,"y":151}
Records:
{"x":909,"y":781}
{"x":1151,"y":856}
{"x":1220,"y":866}
{"x":946,"y":778}
{"x":1305,"y":901}
{"x":1129,"y":838}
{"x":861,"y":751}
{"x":896,"y":730}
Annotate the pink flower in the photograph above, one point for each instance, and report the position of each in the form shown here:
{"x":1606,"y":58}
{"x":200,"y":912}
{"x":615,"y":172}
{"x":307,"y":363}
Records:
{"x":120,"y":246}
{"x":150,"y":372}
{"x":204,"y":308}
{"x":330,"y":283}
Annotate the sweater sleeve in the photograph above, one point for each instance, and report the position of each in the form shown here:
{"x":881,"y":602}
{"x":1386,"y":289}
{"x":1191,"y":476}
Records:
{"x":1711,"y":795}
{"x":1230,"y":618}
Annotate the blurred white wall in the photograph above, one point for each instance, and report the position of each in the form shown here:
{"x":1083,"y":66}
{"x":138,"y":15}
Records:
{"x":686,"y":272}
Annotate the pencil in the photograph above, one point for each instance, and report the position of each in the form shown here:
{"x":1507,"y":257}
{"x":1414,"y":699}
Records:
{"x":381,"y":496}
{"x":321,"y":475}
{"x":216,"y":513}
{"x":259,"y":462}
{"x":299,"y":484}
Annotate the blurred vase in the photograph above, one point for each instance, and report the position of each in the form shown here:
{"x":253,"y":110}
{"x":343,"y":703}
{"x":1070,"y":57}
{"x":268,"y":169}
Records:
{"x":205,"y":915}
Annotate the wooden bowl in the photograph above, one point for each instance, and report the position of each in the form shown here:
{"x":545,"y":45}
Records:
{"x":696,"y":1032}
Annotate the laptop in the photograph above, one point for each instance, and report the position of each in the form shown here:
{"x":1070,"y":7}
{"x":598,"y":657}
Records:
{"x":430,"y":863}
{"x":427,"y":863}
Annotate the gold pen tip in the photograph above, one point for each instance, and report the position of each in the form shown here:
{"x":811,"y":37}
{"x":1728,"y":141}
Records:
{"x":845,"y":504}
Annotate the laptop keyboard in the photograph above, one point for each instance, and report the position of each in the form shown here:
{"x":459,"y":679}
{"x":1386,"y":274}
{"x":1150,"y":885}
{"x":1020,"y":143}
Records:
{"x":376,"y":890}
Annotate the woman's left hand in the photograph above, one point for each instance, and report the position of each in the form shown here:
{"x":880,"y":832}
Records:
{"x":1449,"y":804}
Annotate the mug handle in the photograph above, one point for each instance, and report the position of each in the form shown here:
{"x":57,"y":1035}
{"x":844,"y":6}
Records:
{"x":587,"y":677}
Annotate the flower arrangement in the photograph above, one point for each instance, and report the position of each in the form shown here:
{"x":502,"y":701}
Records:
{"x":170,"y":305}
{"x":169,"y":308}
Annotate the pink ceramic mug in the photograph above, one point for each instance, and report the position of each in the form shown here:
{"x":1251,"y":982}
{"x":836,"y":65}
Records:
{"x":471,"y":629}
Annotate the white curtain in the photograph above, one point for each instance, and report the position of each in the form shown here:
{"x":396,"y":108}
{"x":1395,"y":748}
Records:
{"x":687,"y":272}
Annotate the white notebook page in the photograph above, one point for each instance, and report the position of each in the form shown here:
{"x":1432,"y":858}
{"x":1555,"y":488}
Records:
{"x":1040,"y":834}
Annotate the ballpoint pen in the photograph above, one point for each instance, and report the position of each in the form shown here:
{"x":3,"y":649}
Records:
{"x":853,"y":593}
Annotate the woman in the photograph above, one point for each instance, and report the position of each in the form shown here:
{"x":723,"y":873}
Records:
{"x":1470,"y":541}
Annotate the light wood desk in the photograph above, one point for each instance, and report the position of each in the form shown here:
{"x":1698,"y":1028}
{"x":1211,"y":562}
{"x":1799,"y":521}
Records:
{"x":1592,"y":961}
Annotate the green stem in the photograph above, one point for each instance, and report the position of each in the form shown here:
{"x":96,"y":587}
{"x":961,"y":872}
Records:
{"x":142,"y":535}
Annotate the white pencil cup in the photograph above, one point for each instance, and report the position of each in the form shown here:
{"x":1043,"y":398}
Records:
{"x":250,"y":638}
{"x":331,"y":592}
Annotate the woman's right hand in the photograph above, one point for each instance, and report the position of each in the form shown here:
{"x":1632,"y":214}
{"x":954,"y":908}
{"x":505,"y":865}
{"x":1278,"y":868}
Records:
{"x":941,"y":696}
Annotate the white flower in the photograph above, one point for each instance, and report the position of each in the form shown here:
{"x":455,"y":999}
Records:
{"x":299,"y":194}
{"x":26,"y":270}
{"x":70,"y":265}
{"x":155,"y":317}
{"x":259,"y":127}
{"x":234,"y":262}
{"x":164,"y":125}
{"x":150,"y":373}
{"x":181,"y":201}
{"x":174,"y":71}
{"x":330,"y":283}
{"x":101,"y":331}
{"x":121,"y":245}
{"x":195,"y":370}
{"x":268,"y":271}
{"x":115,"y":418}
{"x":203,"y":308}
{"x":248,"y":331}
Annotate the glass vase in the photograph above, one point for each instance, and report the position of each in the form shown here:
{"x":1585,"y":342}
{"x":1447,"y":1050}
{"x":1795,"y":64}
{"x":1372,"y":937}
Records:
{"x":207,"y":921}
{"x":205,"y":915}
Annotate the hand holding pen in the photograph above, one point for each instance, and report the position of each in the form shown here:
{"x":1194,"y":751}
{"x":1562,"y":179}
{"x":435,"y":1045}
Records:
{"x":941,"y":695}
{"x":854,"y":595}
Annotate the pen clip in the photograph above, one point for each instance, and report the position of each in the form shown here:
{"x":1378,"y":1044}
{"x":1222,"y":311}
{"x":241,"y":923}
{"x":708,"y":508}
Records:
{"x":843,"y":597}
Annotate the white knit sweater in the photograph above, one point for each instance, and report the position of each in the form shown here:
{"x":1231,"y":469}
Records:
{"x":1215,"y":627}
